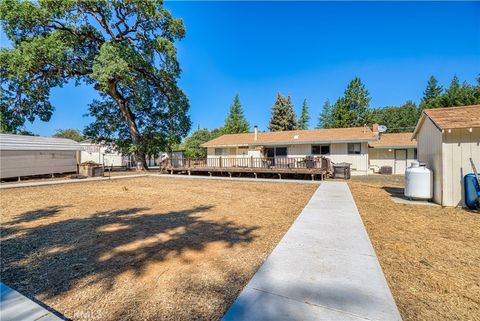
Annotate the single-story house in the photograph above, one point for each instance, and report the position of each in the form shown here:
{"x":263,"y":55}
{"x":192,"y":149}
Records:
{"x":396,"y":150}
{"x":348,"y":145}
{"x":447,"y":138}
{"x":22,"y":155}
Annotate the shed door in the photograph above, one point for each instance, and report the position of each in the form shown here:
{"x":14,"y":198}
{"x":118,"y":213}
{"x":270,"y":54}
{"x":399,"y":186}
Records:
{"x":400,"y":161}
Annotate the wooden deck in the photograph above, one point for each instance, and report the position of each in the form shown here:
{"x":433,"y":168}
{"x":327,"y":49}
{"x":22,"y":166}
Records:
{"x":315,"y":168}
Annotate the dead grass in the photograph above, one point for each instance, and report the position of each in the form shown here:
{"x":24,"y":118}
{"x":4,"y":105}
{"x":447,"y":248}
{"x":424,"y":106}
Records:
{"x":430,"y":255}
{"x":144,"y":248}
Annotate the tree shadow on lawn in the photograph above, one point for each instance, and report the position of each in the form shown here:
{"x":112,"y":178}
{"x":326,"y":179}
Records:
{"x":49,"y":259}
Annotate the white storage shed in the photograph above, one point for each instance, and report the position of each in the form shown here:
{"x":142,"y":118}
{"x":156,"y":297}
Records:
{"x":446,"y":140}
{"x":32,"y":155}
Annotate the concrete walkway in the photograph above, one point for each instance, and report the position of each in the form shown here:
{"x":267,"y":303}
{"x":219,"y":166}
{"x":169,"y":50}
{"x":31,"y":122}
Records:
{"x":16,"y":307}
{"x":324,"y":268}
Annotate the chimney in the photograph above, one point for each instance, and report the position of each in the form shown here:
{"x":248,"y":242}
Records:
{"x":255,"y":132}
{"x":375,"y":129}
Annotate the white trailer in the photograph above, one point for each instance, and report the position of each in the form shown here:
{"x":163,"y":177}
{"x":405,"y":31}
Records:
{"x":33,"y":155}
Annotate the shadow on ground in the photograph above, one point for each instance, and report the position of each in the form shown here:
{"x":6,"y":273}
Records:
{"x":51,"y":257}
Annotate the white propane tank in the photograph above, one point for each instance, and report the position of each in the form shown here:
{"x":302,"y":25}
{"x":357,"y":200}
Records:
{"x":418,"y":182}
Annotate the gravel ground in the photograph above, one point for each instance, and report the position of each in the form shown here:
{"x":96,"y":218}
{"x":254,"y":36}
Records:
{"x":144,"y":248}
{"x":430,"y":255}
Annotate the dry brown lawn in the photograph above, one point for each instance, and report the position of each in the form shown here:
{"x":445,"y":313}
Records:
{"x":430,"y":255}
{"x":143,"y":248}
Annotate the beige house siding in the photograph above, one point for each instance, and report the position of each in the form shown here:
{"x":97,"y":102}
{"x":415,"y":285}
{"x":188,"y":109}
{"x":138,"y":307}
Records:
{"x":379,"y":157}
{"x":459,"y":145}
{"x":338,"y":154}
{"x":429,"y":144}
{"x":15,"y":163}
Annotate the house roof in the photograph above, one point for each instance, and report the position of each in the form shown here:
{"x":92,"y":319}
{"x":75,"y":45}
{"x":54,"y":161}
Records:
{"x":395,"y":140}
{"x":23,"y":142}
{"x":451,"y":117}
{"x":355,"y":134}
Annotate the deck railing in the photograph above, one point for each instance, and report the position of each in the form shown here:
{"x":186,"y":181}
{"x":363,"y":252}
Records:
{"x":307,"y":162}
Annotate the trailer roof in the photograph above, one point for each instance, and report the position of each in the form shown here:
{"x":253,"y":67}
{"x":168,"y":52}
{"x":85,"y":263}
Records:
{"x":23,"y":142}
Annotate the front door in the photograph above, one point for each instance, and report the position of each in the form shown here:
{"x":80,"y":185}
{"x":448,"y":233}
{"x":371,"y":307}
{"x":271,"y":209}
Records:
{"x":400,"y":161}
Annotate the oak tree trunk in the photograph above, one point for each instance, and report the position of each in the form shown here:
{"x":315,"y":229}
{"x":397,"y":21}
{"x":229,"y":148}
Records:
{"x":140,"y":159}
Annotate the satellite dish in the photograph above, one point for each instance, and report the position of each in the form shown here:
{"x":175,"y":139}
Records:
{"x":382,"y":128}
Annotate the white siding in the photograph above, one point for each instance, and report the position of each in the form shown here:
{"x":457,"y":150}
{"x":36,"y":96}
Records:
{"x":429,"y":144}
{"x":338,"y":154}
{"x":458,"y":147}
{"x":379,"y":157}
{"x":15,"y":163}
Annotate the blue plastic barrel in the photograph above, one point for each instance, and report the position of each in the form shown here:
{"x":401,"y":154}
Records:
{"x":472,"y":191}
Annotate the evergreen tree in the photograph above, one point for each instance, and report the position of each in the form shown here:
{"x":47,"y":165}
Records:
{"x":459,"y":95}
{"x":352,"y":110}
{"x":325,"y":119}
{"x":431,"y":95}
{"x":283,"y":116}
{"x":236,"y":122}
{"x":398,"y":119}
{"x":304,"y":117}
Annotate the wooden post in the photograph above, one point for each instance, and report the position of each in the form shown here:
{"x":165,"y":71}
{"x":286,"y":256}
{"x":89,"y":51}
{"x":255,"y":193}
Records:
{"x":251,"y":161}
{"x":220,"y":161}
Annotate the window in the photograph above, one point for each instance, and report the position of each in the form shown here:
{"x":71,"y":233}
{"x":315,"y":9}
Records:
{"x":320,"y":149}
{"x":281,"y":151}
{"x":354,"y":148}
{"x":221,"y":151}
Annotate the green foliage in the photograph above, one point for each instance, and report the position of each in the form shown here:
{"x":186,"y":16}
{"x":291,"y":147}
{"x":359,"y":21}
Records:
{"x":325,"y":119}
{"x":70,"y":133}
{"x":124,"y":49}
{"x":304,"y":117}
{"x":431,"y":95}
{"x":191,"y":145}
{"x":456,"y":94}
{"x":236,"y":123}
{"x":398,"y":119}
{"x":352,"y":109}
{"x":283,"y":116}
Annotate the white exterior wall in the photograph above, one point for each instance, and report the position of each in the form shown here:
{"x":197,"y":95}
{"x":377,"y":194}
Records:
{"x":458,"y":147}
{"x":378,"y":157}
{"x":338,"y":154}
{"x":98,"y":154}
{"x":429,"y":146}
{"x":15,"y":163}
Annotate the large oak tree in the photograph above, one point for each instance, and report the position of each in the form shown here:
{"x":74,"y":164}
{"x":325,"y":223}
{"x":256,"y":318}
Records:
{"x":124,"y":49}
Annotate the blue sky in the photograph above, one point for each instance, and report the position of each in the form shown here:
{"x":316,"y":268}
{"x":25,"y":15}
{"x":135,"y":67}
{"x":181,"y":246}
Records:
{"x":306,"y":50}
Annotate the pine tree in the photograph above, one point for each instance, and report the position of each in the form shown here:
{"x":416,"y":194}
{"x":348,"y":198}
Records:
{"x":431,"y":95}
{"x":283,"y":116}
{"x":236,"y":123}
{"x":325,"y":119}
{"x":304,"y":117}
{"x":352,"y":110}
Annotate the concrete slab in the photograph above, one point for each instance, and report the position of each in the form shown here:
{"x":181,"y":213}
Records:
{"x":16,"y":307}
{"x":324,"y":268}
{"x":406,"y":201}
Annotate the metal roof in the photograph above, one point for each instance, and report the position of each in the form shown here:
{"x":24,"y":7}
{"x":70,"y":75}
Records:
{"x":22,"y":142}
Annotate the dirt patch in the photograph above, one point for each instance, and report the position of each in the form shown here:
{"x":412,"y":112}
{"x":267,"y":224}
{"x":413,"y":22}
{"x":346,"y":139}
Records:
{"x":143,"y":248}
{"x":430,"y":255}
